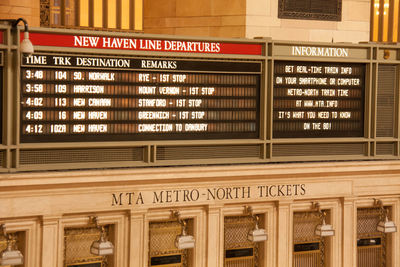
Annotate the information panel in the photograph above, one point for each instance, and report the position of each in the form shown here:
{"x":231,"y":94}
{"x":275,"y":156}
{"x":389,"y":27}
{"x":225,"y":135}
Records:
{"x":88,"y":98}
{"x":315,"y":99}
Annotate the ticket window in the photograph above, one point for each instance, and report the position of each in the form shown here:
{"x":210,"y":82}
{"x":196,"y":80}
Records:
{"x":18,"y":243}
{"x":308,"y":248}
{"x":77,"y":243}
{"x":371,"y":244}
{"x":239,"y":251}
{"x":162,"y":249}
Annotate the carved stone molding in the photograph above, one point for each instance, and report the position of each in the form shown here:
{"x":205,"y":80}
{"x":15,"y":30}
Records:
{"x":44,"y":13}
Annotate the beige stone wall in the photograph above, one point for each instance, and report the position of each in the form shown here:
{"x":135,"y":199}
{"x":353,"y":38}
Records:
{"x":222,"y":18}
{"x":27,"y":9}
{"x":253,"y":18}
{"x":40,"y":205}
{"x":262,"y":20}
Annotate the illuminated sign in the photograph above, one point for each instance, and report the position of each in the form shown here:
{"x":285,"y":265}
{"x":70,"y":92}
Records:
{"x":142,"y":44}
{"x":318,"y":99}
{"x":88,"y":98}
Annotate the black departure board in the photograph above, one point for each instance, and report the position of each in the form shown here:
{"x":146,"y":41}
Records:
{"x":92,"y":98}
{"x":315,"y":99}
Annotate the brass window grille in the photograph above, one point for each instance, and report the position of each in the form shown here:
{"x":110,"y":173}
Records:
{"x":308,"y":249}
{"x":77,"y":242}
{"x":162,"y":250}
{"x":330,"y":10}
{"x":239,"y":251}
{"x":371,"y":244}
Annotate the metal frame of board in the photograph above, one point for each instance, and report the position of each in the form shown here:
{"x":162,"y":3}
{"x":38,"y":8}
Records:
{"x":17,"y":156}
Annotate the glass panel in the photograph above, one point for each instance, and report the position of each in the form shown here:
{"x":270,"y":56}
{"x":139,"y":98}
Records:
{"x":112,"y":14}
{"x":55,"y":18}
{"x":125,"y":14}
{"x":70,"y":13}
{"x":395,"y":20}
{"x":84,"y":13}
{"x":375,"y":21}
{"x":98,"y":13}
{"x":386,"y":21}
{"x":51,"y":14}
{"x":138,"y":15}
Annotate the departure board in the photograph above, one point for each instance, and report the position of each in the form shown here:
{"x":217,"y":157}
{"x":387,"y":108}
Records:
{"x":315,"y":99}
{"x":92,"y":98}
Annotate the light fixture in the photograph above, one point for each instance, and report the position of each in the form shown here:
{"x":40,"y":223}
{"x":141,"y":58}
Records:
{"x":26,"y":44}
{"x":183,"y":241}
{"x":384,"y":225}
{"x":101,"y":247}
{"x":256,"y":234}
{"x":11,"y":255}
{"x":323,"y":229}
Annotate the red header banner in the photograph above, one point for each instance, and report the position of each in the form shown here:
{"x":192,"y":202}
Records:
{"x":138,"y":44}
